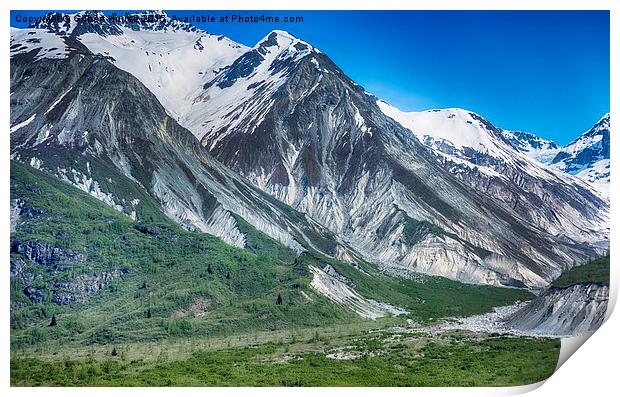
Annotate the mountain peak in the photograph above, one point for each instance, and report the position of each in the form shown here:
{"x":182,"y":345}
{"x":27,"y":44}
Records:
{"x":604,"y":121}
{"x":280,"y":40}
{"x":598,"y":130}
{"x":275,"y":37}
{"x":282,"y":33}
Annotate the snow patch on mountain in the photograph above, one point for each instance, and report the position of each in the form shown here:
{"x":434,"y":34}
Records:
{"x":456,"y":128}
{"x":173,"y":65}
{"x":543,"y":150}
{"x":598,"y":175}
{"x":466,"y":140}
{"x":88,"y":185}
{"x":24,"y":123}
{"x":588,"y":156}
{"x":46,"y":44}
{"x":244,"y":89}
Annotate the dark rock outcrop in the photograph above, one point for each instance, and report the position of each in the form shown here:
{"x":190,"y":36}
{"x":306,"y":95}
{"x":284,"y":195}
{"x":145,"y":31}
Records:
{"x":43,"y":253}
{"x":80,"y":289}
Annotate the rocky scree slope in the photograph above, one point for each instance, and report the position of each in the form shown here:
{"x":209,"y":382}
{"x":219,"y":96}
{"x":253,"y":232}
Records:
{"x":575,"y":304}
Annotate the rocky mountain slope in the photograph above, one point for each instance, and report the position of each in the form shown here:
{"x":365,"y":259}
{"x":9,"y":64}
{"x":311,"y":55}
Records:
{"x":320,"y":143}
{"x":562,"y":312}
{"x":108,"y":277}
{"x":475,"y":151}
{"x":288,"y":120}
{"x":102,"y":130}
{"x":575,"y":304}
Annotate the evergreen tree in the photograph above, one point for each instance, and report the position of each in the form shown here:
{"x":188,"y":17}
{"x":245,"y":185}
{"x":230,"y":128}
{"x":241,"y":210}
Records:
{"x":53,"y":322}
{"x":148,"y":313}
{"x":228,"y":276}
{"x":279,"y":300}
{"x":209,"y":269}
{"x":114,"y":353}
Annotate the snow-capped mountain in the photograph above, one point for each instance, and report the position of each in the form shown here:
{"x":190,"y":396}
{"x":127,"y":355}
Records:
{"x":462,"y":204}
{"x":587,"y":157}
{"x":543,"y":150}
{"x":102,"y":130}
{"x":475,"y":151}
{"x":297,"y":127}
{"x":171,"y":58}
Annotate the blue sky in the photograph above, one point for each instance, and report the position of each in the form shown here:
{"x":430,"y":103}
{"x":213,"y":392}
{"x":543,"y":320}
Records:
{"x":546,"y":72}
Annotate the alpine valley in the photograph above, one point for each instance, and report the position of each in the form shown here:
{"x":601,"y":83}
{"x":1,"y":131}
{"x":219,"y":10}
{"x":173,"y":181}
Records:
{"x":186,"y":210}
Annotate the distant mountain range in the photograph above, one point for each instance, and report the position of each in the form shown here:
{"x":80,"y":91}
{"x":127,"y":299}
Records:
{"x":587,"y":157}
{"x":277,"y":136}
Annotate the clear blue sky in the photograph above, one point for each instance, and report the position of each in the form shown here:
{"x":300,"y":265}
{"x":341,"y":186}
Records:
{"x":546,"y":72}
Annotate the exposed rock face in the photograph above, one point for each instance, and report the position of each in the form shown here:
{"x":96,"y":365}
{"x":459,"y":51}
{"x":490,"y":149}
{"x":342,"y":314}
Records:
{"x":35,"y":294}
{"x":18,"y":270}
{"x":44,"y":254}
{"x":330,"y":271}
{"x":82,"y":288}
{"x":29,"y":255}
{"x":19,"y":210}
{"x":16,"y":207}
{"x":569,"y":311}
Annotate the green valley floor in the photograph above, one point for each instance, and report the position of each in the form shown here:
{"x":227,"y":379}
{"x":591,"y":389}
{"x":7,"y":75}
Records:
{"x":362,"y":355}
